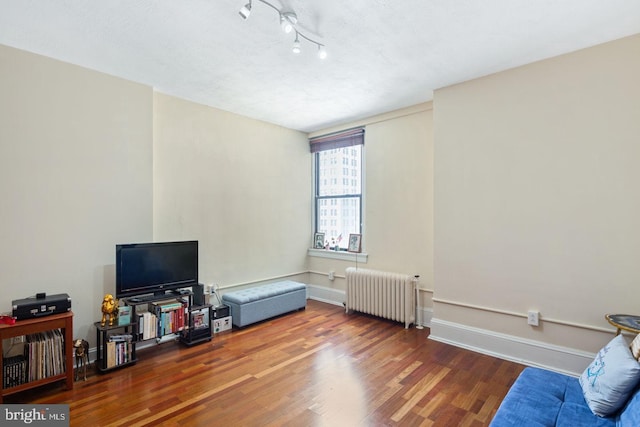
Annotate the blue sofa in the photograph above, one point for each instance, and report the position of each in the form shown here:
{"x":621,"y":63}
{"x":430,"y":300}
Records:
{"x":544,"y":398}
{"x":263,"y":302}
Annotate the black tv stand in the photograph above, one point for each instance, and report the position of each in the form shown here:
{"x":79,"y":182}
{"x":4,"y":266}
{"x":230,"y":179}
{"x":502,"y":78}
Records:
{"x":155,"y":297}
{"x":196,"y":327}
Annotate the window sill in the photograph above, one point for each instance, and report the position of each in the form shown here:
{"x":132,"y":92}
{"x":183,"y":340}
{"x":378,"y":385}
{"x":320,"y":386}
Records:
{"x":341,"y":255}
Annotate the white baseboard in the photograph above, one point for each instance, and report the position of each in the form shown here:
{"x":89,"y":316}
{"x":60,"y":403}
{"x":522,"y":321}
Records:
{"x":527,"y":352}
{"x":424,"y":316}
{"x":338,"y":297}
{"x":327,"y":295}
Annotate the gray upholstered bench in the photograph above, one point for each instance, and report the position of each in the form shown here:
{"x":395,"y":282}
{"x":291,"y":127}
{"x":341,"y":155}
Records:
{"x":263,"y":302}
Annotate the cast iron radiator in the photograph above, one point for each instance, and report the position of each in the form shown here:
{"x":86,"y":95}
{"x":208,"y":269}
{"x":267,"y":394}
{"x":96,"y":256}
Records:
{"x":382,"y":294}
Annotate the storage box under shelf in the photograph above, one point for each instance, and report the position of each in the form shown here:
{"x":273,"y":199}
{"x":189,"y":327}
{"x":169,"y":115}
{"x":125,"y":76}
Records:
{"x":221,"y":325}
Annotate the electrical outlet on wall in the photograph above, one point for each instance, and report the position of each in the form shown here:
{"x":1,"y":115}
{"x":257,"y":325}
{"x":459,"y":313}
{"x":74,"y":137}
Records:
{"x":533,"y":318}
{"x":332,"y":275}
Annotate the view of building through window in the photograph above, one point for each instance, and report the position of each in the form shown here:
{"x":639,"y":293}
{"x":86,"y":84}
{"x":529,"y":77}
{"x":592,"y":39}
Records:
{"x":339,"y":194}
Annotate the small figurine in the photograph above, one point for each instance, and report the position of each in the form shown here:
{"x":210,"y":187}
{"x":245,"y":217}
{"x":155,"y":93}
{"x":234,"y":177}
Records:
{"x":82,"y":356}
{"x":109,"y":309}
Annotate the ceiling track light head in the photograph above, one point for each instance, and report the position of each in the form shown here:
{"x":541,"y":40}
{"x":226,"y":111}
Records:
{"x":288,"y":20}
{"x":296,"y":45}
{"x":246,"y":10}
{"x":322,"y":52}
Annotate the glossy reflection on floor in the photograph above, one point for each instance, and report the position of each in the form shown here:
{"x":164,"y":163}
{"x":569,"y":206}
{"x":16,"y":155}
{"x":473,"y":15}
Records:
{"x":316,"y":367}
{"x":340,"y":396}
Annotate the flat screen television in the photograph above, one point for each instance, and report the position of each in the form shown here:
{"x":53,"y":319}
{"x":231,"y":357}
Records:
{"x":153,"y":268}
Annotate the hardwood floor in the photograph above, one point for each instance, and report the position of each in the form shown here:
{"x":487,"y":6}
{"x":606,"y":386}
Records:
{"x":315,"y":367}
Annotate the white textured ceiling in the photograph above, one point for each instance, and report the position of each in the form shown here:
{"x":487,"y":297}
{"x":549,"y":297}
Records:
{"x":382,"y":54}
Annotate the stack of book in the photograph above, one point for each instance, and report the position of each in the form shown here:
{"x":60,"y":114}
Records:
{"x":170,"y":316}
{"x":15,"y":371}
{"x":147,"y":324}
{"x":44,"y":354}
{"x":119,"y":349}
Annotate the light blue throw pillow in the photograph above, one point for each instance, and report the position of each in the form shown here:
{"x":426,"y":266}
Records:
{"x":610,"y":378}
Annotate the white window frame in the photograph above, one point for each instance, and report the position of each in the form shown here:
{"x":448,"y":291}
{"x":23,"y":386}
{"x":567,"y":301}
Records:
{"x":360,"y":257}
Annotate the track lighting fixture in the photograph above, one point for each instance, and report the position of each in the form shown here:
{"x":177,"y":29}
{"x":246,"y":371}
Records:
{"x":288,"y":23}
{"x":246,"y":10}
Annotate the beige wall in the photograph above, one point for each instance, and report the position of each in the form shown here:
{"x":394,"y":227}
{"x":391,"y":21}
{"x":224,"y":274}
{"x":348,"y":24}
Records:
{"x":534,"y":204}
{"x":89,"y":161}
{"x":75,"y":179}
{"x":240,"y":186}
{"x":536,"y":199}
{"x":398,"y":202}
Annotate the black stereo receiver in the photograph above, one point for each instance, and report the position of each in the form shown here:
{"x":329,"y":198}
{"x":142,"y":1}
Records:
{"x":42,"y":305}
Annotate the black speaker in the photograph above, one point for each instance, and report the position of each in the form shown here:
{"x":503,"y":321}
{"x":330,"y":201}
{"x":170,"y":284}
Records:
{"x":220,"y":311}
{"x":198,"y":294}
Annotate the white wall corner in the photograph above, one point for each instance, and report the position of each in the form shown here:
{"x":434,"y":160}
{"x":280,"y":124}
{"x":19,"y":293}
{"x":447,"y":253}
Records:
{"x":424,"y":316}
{"x":327,"y":295}
{"x":527,"y":352}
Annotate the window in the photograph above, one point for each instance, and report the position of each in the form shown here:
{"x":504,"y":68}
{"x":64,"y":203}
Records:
{"x":343,"y":188}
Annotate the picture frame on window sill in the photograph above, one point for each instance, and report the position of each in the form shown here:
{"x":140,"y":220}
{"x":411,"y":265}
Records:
{"x":355,"y":243}
{"x":318,"y":241}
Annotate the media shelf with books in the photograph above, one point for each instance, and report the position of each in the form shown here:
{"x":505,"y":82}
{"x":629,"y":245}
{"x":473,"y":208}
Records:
{"x":46,"y":353}
{"x":162,"y":318}
{"x":43,"y":357}
{"x":198,"y":328}
{"x":116,"y":347}
{"x":167,"y":317}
